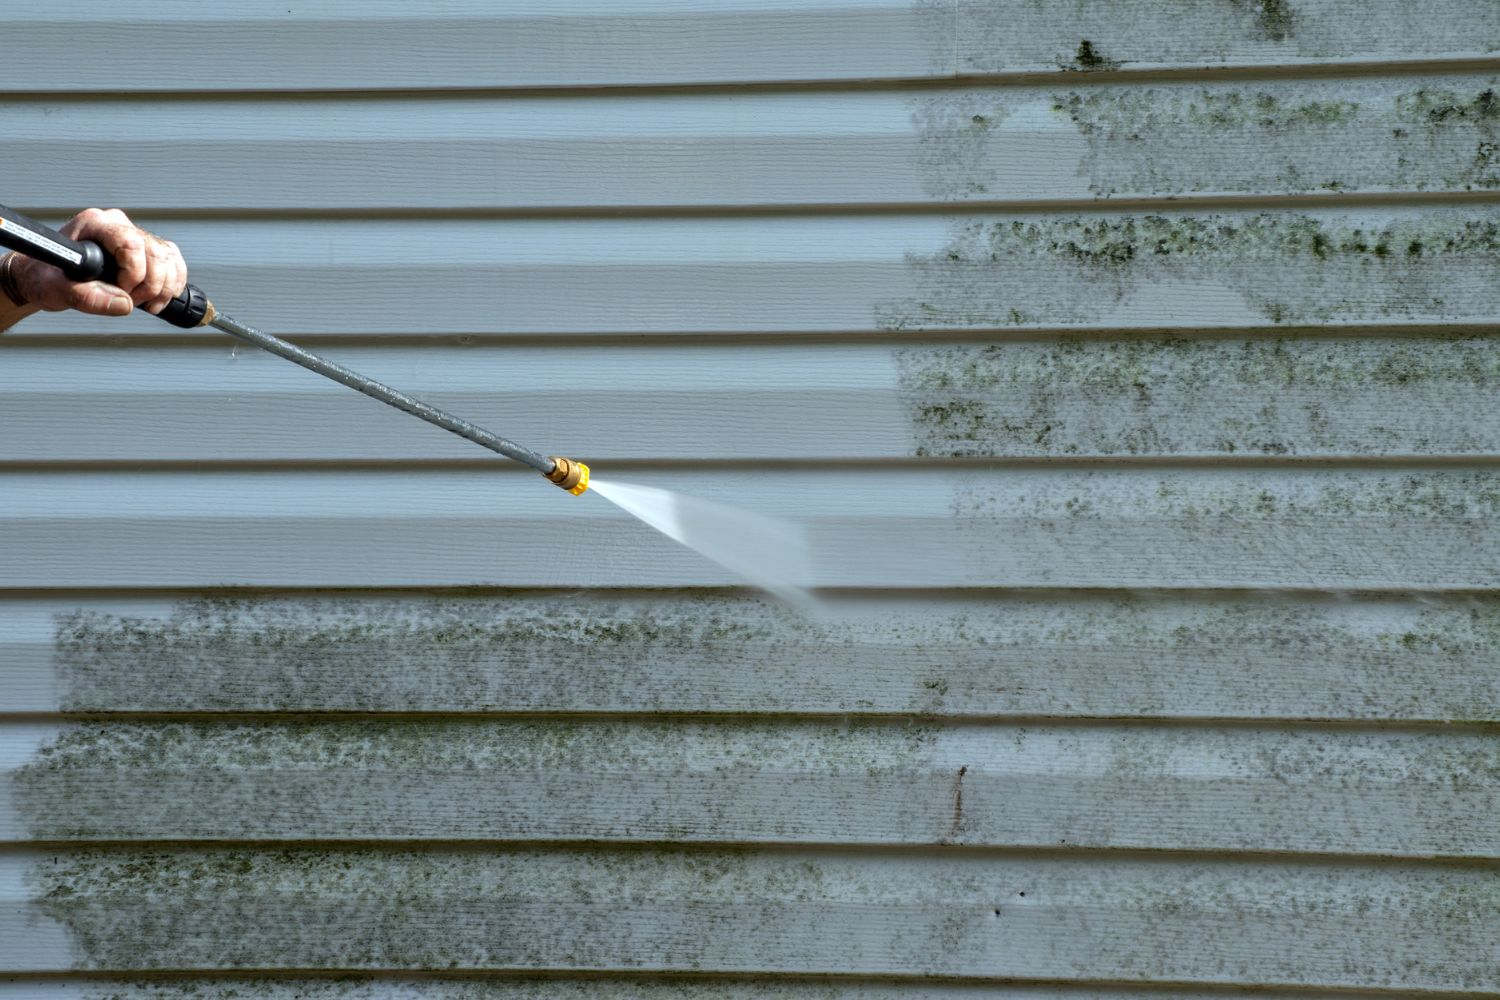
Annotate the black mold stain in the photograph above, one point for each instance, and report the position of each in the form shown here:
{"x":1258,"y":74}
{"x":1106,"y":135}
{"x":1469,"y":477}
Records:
{"x":1088,"y":59}
{"x":1290,"y":269}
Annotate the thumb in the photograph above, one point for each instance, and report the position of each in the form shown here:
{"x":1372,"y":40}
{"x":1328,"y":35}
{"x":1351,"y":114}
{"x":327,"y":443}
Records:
{"x":100,"y":298}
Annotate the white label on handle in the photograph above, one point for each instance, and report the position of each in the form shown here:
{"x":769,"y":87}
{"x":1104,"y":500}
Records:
{"x":41,"y":242}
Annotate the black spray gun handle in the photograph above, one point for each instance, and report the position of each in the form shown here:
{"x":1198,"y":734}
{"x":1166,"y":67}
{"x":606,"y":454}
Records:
{"x":83,"y":260}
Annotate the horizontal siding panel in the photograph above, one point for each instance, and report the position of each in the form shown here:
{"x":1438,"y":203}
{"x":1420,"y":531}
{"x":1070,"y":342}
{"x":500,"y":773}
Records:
{"x":633,"y":987}
{"x":1241,"y":656}
{"x":467,"y":44}
{"x":389,"y":45}
{"x":1148,"y":396}
{"x":997,"y":144}
{"x":1194,"y":789}
{"x":1168,"y":920}
{"x":839,"y":274}
{"x":1408,"y":529}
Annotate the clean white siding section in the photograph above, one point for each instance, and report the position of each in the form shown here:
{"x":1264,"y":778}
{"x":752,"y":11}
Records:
{"x":1131,"y":365}
{"x":338,"y":45}
{"x":979,"y":143}
{"x":1376,"y":397}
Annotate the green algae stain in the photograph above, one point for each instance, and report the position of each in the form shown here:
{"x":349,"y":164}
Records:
{"x":677,"y":652}
{"x":1275,"y":139}
{"x":1173,"y":396}
{"x":444,"y":780}
{"x":1115,"y":112}
{"x":395,"y":909}
{"x":1289,"y":268}
{"x":440,"y":654}
{"x":1442,"y":106}
{"x":1462,"y":127}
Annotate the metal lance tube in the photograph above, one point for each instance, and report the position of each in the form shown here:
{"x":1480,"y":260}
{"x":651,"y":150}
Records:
{"x":571,"y":475}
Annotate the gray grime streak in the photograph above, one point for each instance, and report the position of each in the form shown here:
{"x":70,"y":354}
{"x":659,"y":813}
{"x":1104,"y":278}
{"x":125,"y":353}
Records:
{"x":1315,"y":924}
{"x":1444,"y":497}
{"x":956,"y":134}
{"x":1114,"y":656}
{"x":1172,"y":396}
{"x":518,"y":988}
{"x":560,"y":780}
{"x":1275,"y":18}
{"x":1239,"y":528}
{"x":455,"y":655}
{"x":1290,"y":269}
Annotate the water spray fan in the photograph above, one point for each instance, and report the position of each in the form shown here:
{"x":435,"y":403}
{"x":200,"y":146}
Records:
{"x":81,"y":260}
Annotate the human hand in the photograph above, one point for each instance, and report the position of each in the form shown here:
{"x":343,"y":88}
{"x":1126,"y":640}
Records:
{"x":152,"y":271}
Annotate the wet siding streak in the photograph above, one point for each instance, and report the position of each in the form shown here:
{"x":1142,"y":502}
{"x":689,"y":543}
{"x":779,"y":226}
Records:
{"x":1131,"y":365}
{"x":1407,"y":528}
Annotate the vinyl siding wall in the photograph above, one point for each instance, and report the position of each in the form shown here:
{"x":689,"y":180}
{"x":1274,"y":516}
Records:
{"x":1131,"y":363}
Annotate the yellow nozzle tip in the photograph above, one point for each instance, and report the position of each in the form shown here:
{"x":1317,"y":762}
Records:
{"x":583,"y":480}
{"x":570,"y":475}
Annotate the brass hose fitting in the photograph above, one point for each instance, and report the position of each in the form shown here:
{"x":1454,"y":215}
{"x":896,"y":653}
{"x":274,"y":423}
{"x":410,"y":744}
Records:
{"x":570,"y":475}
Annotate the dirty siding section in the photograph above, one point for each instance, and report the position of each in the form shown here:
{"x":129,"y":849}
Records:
{"x":1132,"y":364}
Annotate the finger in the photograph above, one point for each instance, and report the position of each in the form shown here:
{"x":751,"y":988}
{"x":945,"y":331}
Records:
{"x":158,"y":271}
{"x":176,"y":277}
{"x":99,"y":298}
{"x":120,"y":239}
{"x":128,"y":248}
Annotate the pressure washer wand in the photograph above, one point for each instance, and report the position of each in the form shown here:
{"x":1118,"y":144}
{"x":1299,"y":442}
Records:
{"x":82,"y":260}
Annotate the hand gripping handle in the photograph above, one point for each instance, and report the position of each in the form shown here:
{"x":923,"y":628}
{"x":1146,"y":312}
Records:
{"x":82,"y":260}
